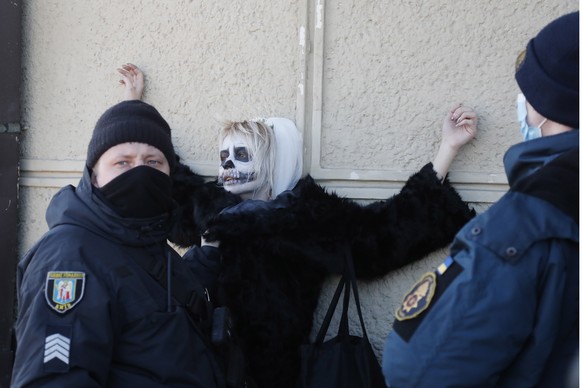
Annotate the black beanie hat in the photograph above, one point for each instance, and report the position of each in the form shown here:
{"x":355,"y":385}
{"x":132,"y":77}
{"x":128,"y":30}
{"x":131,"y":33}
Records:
{"x":127,"y":122}
{"x":548,"y":71}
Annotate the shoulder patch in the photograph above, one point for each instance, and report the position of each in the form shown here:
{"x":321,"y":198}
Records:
{"x":418,"y":298}
{"x":57,"y":348}
{"x":64,"y":290}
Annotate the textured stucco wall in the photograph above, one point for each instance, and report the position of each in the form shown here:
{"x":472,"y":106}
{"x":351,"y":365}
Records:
{"x":389,"y":72}
{"x":205,"y":61}
{"x":394,"y":68}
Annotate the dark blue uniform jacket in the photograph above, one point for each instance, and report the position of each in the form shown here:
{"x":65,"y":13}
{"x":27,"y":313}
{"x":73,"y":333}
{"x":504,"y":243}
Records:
{"x":90,"y":316}
{"x":505,"y":309}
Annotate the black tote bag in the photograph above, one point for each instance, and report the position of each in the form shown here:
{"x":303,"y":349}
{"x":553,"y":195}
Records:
{"x":345,"y":361}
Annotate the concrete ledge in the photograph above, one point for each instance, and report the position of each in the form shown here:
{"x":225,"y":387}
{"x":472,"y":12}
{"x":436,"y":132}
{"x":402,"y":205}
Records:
{"x":359,"y":185}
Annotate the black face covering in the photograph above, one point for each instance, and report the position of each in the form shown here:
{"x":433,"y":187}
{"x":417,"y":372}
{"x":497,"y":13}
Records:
{"x":142,"y":192}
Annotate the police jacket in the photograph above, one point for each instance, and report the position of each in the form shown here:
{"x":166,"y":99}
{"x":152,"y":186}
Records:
{"x":502,"y":311}
{"x":90,"y":315}
{"x":275,"y":255}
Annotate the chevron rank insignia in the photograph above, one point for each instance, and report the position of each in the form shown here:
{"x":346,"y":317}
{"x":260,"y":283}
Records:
{"x":64,"y":290}
{"x":418,"y":298}
{"x":57,"y":347}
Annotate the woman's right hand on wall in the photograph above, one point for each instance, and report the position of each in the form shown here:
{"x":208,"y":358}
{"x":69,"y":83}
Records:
{"x":459,"y":127}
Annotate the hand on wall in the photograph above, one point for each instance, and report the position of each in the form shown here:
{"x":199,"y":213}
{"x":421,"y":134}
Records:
{"x":133,"y":80}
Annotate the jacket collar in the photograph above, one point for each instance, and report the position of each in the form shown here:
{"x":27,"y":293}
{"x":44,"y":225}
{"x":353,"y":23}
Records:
{"x":525,"y":158}
{"x":81,"y":206}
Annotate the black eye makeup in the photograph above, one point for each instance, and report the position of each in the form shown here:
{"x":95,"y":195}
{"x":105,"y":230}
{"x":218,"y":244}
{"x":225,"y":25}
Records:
{"x":241,"y":154}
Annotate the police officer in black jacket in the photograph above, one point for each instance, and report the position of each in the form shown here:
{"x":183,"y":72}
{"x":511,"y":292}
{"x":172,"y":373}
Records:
{"x":102,"y":299}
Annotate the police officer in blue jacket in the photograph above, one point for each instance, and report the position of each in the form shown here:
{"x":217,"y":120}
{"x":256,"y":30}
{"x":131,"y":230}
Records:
{"x":103,"y":300}
{"x":502,"y":310}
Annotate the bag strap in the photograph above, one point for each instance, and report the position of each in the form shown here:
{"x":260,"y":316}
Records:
{"x":344,"y":328}
{"x":352,"y":281}
{"x":346,"y":282}
{"x":330,"y":310}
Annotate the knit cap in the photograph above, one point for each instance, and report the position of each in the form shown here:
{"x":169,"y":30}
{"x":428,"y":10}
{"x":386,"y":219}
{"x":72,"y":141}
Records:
{"x":548,"y":71}
{"x":131,"y":121}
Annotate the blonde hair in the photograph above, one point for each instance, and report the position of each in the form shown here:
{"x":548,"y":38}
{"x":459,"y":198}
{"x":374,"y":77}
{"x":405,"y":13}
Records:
{"x":261,"y":141}
{"x":276,"y":147}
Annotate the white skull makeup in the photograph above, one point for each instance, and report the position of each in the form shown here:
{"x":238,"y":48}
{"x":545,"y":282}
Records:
{"x":237,"y":169}
{"x":260,"y":158}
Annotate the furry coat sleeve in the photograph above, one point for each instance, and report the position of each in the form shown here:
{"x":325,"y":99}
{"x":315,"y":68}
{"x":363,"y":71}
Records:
{"x":383,"y":236}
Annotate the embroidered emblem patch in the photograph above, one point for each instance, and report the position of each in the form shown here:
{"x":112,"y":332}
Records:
{"x":64,"y":290}
{"x":418,"y":298}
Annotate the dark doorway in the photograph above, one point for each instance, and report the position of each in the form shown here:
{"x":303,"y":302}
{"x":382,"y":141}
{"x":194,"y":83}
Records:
{"x":10,"y":79}
{"x":9,"y":150}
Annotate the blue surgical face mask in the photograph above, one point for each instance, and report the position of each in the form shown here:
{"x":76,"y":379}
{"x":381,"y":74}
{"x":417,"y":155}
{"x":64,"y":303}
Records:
{"x":527,"y":131}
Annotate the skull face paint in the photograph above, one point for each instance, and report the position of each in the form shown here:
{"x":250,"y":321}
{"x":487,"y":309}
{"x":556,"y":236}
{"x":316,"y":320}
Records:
{"x":237,"y":172}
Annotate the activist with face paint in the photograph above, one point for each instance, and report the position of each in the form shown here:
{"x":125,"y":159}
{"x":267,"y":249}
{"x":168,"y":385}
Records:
{"x":503,"y":309}
{"x":287,"y":234}
{"x":101,"y":296}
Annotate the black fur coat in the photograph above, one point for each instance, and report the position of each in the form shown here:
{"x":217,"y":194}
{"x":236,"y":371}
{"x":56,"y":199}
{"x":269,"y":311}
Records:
{"x":276,"y":254}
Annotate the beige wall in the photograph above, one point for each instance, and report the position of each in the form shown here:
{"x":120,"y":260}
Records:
{"x":368,"y":82}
